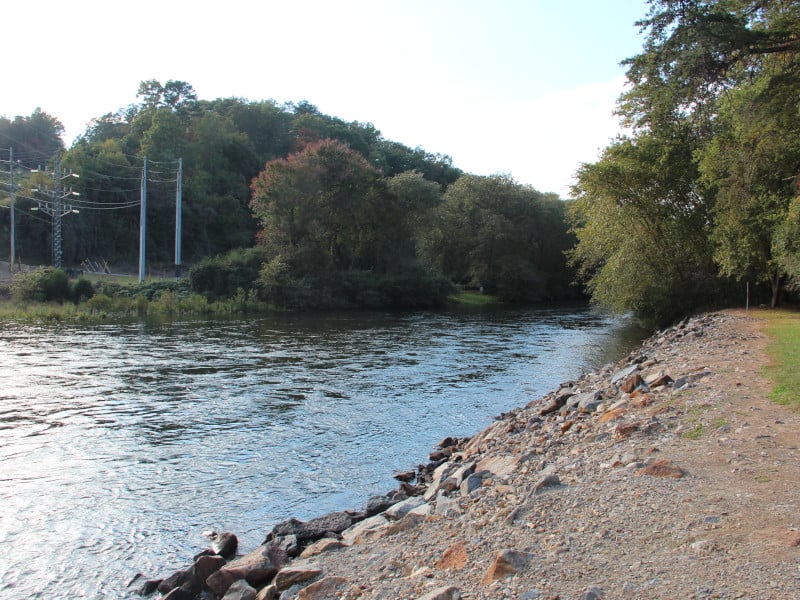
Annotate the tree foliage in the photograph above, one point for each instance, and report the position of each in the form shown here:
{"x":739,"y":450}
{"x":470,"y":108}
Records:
{"x":326,"y":212}
{"x":495,"y":234}
{"x":702,"y":190}
{"x":224,"y":144}
{"x":321,"y":209}
{"x":642,"y":228}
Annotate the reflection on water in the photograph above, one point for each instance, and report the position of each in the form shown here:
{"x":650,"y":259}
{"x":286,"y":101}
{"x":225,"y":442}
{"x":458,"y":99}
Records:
{"x":119,"y":444}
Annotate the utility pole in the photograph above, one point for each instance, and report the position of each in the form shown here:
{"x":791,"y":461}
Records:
{"x":13,"y":252}
{"x":143,"y":222}
{"x":178,"y":218}
{"x":57,"y":237}
{"x":56,"y":209}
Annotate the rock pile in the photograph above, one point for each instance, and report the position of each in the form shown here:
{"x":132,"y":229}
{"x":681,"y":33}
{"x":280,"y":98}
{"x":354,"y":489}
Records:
{"x":501,"y":490}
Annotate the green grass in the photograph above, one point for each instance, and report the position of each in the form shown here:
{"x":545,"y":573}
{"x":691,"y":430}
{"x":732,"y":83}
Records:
{"x":783,"y":330}
{"x":473,"y":298}
{"x":694,"y":434}
{"x":119,"y":279}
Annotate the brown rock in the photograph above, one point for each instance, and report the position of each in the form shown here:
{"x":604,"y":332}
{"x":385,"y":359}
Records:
{"x":658,"y":379}
{"x":499,"y":466}
{"x":546,"y":481}
{"x":661,"y":468}
{"x":455,"y":557}
{"x":505,"y":564}
{"x":257,"y":568}
{"x":405,"y":476}
{"x":176,"y":580}
{"x":640,"y":399}
{"x":442,"y":593}
{"x":323,"y":589}
{"x":269,"y":592}
{"x":205,"y":566}
{"x":440,"y":454}
{"x":623,"y":430}
{"x":631,"y":382}
{"x":555,"y":403}
{"x":240,"y":590}
{"x":447,"y":442}
{"x":410,"y":521}
{"x":288,"y":576}
{"x":612,"y":415}
{"x":321,"y":546}
{"x":179,"y":593}
{"x":225,"y":544}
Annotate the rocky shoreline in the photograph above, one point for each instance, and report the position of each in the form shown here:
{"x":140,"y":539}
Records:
{"x":645,"y":479}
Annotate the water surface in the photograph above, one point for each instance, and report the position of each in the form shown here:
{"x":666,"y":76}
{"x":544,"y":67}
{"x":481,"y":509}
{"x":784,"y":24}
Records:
{"x":120,"y":444}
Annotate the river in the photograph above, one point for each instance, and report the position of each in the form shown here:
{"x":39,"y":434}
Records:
{"x":120,"y":444}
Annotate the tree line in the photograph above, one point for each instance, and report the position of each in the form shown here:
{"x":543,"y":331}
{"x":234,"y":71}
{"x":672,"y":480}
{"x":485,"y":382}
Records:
{"x":702,"y":197}
{"x":302,"y":207}
{"x":699,"y":201}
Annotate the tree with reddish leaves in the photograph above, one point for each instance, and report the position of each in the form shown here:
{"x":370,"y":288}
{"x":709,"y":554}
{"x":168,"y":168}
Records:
{"x":321,"y":208}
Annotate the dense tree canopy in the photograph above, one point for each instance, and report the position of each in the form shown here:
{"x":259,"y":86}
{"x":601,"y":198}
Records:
{"x":495,"y":234}
{"x":335,"y":214}
{"x":224,"y":144}
{"x":709,"y":177}
{"x":322,"y":209}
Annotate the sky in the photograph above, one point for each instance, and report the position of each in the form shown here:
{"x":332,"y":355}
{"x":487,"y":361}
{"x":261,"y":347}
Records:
{"x":525,"y":88}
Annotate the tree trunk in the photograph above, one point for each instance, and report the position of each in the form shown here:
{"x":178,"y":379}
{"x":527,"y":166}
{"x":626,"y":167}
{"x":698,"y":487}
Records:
{"x":777,"y":286}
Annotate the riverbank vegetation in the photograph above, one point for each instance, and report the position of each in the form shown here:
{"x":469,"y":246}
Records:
{"x":46,"y":294}
{"x":696,"y":206}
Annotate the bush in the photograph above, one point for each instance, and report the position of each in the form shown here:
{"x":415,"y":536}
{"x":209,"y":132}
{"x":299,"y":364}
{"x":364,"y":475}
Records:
{"x":81,"y":290}
{"x":99,"y":303}
{"x":221,"y":276}
{"x":45,"y":284}
{"x":413,"y":288}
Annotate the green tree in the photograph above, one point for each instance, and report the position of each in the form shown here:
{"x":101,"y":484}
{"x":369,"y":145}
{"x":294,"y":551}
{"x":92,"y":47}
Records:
{"x":753,"y":163}
{"x":494,"y":233}
{"x":643,"y":229}
{"x":172,"y":94}
{"x":36,"y":139}
{"x":413,"y":199}
{"x":706,"y":176}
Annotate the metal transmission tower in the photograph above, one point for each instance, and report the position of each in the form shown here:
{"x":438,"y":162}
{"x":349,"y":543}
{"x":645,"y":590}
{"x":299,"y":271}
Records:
{"x":54,"y":206}
{"x":178,"y":218}
{"x":13,"y":250}
{"x":143,"y":222}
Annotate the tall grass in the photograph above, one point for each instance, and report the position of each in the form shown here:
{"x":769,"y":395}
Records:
{"x":783,"y":329}
{"x":104,"y":308}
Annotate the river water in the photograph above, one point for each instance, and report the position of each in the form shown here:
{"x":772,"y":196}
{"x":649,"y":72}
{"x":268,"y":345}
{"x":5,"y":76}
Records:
{"x":120,"y":444}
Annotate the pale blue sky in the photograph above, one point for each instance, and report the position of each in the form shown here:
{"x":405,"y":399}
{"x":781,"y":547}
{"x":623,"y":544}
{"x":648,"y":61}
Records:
{"x":520,"y":87}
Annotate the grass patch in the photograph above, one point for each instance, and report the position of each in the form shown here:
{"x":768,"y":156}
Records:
{"x":719,"y":423}
{"x":473,"y":298}
{"x":694,"y":434}
{"x":783,"y":350}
